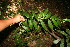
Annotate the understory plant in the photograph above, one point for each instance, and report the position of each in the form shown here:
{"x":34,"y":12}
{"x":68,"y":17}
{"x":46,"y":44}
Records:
{"x":44,"y":20}
{"x":37,"y":22}
{"x":41,"y":21}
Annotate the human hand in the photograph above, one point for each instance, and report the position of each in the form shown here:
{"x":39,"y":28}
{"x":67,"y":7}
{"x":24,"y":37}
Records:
{"x":18,"y":18}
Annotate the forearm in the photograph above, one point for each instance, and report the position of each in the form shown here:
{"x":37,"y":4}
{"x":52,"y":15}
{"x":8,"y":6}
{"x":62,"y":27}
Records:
{"x":5,"y":23}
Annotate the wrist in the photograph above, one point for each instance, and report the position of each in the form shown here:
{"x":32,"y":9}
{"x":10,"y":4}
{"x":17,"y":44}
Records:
{"x":13,"y":20}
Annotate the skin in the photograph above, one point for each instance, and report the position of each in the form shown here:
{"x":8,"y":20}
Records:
{"x":5,"y":23}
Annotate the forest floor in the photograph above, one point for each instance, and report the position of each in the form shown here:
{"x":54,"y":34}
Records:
{"x":58,"y":7}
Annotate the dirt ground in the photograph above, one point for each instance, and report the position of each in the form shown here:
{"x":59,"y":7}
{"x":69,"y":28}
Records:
{"x":60,"y":7}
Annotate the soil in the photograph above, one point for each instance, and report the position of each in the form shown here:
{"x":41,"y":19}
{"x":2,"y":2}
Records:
{"x":59,"y":7}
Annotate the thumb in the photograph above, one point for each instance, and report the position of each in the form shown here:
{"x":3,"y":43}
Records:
{"x":22,"y":18}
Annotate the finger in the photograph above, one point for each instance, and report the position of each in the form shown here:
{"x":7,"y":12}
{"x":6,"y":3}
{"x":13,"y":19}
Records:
{"x":18,"y":15}
{"x":22,"y":18}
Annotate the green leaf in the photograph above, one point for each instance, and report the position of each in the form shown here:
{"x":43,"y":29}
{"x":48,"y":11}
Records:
{"x":43,"y":25}
{"x":26,"y":28}
{"x":62,"y":32}
{"x":56,"y":41}
{"x":36,"y":17}
{"x":30,"y":24}
{"x":26,"y":14}
{"x":68,"y":31}
{"x":34,"y":11}
{"x":8,"y":6}
{"x":24,"y":23}
{"x":0,"y":13}
{"x":48,"y":15}
{"x":17,"y":36}
{"x":33,"y":15}
{"x":35,"y":24}
{"x":67,"y":20}
{"x":22,"y":30}
{"x":62,"y":43}
{"x":54,"y":17}
{"x":55,"y":22}
{"x":50,"y":24}
{"x":41,"y":14}
{"x":46,"y":11}
{"x":59,"y":22}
